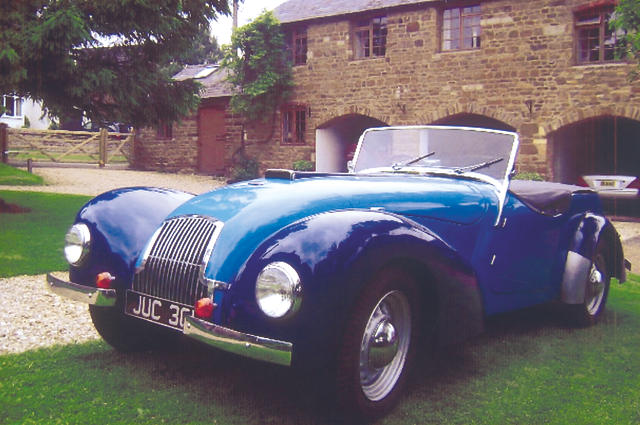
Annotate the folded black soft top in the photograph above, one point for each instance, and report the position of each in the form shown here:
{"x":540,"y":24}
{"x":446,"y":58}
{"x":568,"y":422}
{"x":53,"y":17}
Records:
{"x":545,"y":197}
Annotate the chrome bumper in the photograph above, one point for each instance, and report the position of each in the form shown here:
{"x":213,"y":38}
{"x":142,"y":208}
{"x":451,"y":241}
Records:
{"x":85,"y":294}
{"x":255,"y":347}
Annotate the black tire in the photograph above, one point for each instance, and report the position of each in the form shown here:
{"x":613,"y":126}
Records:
{"x":124,"y":333}
{"x":372,"y":372}
{"x":596,"y":292}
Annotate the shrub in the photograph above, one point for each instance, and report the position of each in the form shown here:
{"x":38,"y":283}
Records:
{"x":245,"y":168}
{"x":529,"y":176}
{"x":303,"y":165}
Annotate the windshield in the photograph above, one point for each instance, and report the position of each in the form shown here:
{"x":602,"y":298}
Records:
{"x":485,"y":154}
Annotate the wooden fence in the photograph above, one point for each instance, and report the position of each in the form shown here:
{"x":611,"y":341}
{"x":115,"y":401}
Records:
{"x":58,"y":146}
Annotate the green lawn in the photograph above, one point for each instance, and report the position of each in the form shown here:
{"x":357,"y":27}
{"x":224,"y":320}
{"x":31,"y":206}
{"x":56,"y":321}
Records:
{"x":32,"y":243}
{"x":15,"y":176}
{"x":526,"y":369}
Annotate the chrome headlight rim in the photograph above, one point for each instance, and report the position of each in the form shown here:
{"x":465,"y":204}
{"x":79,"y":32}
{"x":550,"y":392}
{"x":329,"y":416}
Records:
{"x":278,"y":290}
{"x":77,"y":244}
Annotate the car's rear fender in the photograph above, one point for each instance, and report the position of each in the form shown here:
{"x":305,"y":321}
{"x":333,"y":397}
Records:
{"x":121,"y":222}
{"x":336,"y":254}
{"x":592,"y":229}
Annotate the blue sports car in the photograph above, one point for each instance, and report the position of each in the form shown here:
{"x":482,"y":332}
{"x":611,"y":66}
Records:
{"x":425,"y":237}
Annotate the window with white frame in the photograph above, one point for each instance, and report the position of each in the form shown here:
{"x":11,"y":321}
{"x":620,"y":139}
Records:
{"x":12,"y":106}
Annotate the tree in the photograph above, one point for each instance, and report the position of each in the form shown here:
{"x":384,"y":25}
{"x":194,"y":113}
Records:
{"x":259,"y":68}
{"x":626,"y":19}
{"x":50,"y":50}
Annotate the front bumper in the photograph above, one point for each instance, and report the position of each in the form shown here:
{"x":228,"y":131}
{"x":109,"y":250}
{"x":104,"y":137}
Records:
{"x":85,"y":294}
{"x":255,"y":347}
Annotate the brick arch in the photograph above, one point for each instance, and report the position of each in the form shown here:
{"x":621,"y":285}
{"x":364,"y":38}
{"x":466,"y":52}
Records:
{"x":574,"y":115}
{"x":471,"y":108}
{"x":341,"y":111}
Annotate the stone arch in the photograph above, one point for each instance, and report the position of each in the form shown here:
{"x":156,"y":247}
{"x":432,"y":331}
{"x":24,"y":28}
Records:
{"x":331,"y":115}
{"x":474,"y":120}
{"x":336,"y":140}
{"x":472,"y":108}
{"x":574,"y":115}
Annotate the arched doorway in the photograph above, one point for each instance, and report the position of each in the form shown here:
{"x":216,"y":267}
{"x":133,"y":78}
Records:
{"x":603,"y":145}
{"x":474,"y":120}
{"x":336,"y":141}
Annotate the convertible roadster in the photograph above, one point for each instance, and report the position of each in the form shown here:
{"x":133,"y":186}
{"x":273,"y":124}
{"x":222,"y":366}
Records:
{"x":425,"y":237}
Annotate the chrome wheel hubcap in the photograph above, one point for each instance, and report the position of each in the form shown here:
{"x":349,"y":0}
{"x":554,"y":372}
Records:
{"x":384,"y":346}
{"x":595,"y":290}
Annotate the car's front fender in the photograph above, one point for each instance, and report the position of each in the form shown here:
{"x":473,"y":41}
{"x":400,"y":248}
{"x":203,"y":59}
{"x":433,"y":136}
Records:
{"x":336,"y":254}
{"x":121,"y":222}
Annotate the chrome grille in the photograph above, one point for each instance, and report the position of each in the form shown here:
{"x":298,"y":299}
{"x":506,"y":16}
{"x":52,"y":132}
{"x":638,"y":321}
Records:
{"x":173,"y":265}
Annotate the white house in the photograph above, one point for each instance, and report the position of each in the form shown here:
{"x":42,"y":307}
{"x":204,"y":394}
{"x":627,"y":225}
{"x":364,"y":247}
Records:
{"x":19,"y":111}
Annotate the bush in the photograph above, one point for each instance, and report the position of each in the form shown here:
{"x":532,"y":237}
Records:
{"x":303,"y":165}
{"x":529,"y":176}
{"x":245,"y":168}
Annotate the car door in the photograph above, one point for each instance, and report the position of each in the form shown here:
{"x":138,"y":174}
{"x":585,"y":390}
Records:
{"x":519,"y":260}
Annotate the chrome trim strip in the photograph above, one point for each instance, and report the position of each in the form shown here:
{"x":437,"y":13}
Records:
{"x":85,"y":294}
{"x":254,"y":347}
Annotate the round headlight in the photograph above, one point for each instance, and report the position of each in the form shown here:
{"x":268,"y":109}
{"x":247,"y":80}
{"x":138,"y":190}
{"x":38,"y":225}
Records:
{"x":76,"y":243}
{"x":278,"y":290}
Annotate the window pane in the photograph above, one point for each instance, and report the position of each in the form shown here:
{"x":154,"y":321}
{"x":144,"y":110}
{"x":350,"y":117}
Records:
{"x":588,"y":45}
{"x":18,"y":106}
{"x":461,"y":28}
{"x":10,"y":106}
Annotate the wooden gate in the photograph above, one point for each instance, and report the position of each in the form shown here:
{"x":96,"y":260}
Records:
{"x":59,"y":146}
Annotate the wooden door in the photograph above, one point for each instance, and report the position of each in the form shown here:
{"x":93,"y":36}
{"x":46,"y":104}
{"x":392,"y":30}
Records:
{"x":211,"y":136}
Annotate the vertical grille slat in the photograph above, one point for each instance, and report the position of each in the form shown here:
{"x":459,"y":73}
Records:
{"x":176,"y":260}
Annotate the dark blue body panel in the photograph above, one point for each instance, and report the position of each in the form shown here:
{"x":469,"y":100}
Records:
{"x":337,"y":231}
{"x":121,"y":222}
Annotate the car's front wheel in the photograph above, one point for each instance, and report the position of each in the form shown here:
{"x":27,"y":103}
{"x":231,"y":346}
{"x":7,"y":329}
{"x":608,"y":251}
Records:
{"x":378,"y":346}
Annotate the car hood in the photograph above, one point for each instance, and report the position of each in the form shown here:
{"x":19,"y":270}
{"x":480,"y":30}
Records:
{"x":254,"y":210}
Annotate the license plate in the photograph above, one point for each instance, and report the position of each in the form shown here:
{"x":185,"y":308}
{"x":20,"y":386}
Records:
{"x":607,"y":183}
{"x":157,"y":310}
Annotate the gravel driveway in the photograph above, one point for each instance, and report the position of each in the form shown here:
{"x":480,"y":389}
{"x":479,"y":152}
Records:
{"x":67,"y":322}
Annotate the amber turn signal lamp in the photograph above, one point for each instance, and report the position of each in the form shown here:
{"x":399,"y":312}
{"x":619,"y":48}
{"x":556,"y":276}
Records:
{"x":104,"y":279}
{"x":204,"y":308}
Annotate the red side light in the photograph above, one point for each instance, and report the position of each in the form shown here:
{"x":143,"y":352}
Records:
{"x":582,"y":182}
{"x":104,"y":279}
{"x":204,"y":308}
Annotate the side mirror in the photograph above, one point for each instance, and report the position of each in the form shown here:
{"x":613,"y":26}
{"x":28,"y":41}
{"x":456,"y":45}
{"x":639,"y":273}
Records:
{"x":350,"y":166}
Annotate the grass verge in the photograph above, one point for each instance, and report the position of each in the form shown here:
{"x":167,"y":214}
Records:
{"x":14,"y":176}
{"x":526,"y":369}
{"x":32,"y":243}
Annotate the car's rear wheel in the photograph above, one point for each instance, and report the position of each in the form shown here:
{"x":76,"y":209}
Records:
{"x":378,"y":346}
{"x":596,"y":291}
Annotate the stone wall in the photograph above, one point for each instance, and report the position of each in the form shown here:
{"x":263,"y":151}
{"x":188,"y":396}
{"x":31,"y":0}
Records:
{"x":524,"y":75}
{"x":527,"y":55}
{"x":178,"y":153}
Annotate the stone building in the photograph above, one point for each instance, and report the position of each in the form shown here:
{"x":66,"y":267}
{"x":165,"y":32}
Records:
{"x":544,"y":68}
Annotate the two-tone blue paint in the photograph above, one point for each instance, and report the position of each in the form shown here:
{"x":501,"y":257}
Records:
{"x":337,"y":230}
